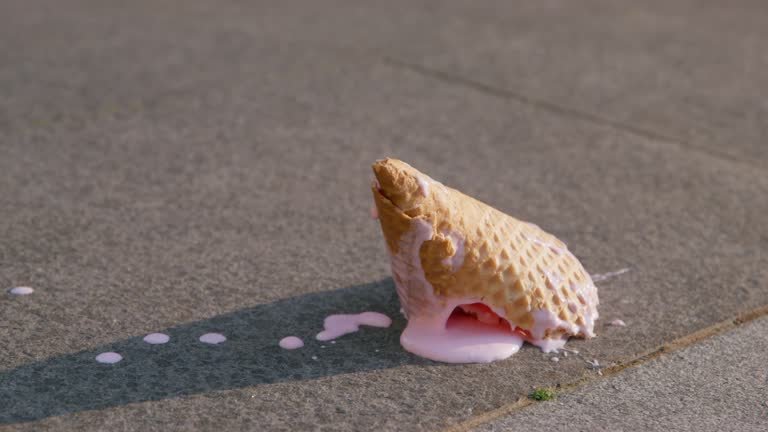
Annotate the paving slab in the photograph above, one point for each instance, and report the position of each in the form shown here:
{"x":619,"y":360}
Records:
{"x":164,"y":173}
{"x":689,"y":72}
{"x":719,"y":384}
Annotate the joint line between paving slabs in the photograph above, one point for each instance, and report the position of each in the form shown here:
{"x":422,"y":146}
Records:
{"x":557,"y":109}
{"x":670,"y":347}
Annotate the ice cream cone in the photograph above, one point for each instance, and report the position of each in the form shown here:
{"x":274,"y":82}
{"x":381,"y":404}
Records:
{"x":449,"y":250}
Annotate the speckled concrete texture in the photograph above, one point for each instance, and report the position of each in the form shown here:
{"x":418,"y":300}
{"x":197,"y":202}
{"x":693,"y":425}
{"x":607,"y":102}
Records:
{"x":720,"y":384}
{"x":188,"y":167}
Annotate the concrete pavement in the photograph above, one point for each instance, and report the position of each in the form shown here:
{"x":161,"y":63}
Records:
{"x":720,"y":384}
{"x":196,"y":166}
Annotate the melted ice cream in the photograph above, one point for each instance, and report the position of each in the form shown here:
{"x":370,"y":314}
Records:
{"x":291,"y":343}
{"x":605,"y":276}
{"x":109,"y":357}
{"x":478,"y":332}
{"x":423,"y":185}
{"x":156,"y":338}
{"x":339,"y":325}
{"x":21,"y":291}
{"x":435,"y":333}
{"x":460,"y":339}
{"x":213,"y":338}
{"x":456,"y":260}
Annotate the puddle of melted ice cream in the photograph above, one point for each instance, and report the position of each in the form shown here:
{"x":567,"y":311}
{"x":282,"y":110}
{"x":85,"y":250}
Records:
{"x":339,"y":325}
{"x":460,"y":339}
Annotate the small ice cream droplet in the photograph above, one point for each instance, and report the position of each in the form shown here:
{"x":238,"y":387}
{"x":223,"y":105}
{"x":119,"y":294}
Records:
{"x":212,"y":338}
{"x":156,"y":338}
{"x":618,"y":323}
{"x":339,"y":325}
{"x":314,"y":357}
{"x":21,"y":291}
{"x":291,"y":343}
{"x":555,"y":359}
{"x":374,"y":212}
{"x":109,"y":357}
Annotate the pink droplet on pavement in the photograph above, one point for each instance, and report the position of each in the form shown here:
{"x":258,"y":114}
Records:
{"x":291,"y":343}
{"x":339,"y":325}
{"x":156,"y":338}
{"x":109,"y":357}
{"x":213,"y":338}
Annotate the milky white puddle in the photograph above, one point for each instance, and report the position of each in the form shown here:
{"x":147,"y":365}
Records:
{"x":339,"y":325}
{"x":291,"y":343}
{"x":109,"y":357}
{"x":156,"y":338}
{"x":21,"y":291}
{"x":213,"y":338}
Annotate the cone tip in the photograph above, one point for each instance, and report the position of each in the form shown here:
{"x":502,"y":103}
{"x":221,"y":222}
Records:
{"x":398,"y":182}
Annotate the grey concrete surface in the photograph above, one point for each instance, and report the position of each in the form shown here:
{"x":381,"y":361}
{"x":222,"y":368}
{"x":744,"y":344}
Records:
{"x":720,"y":384}
{"x":199,"y":166}
{"x":689,"y":71}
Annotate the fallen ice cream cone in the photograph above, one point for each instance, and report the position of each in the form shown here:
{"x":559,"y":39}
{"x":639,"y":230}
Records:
{"x":473,"y":281}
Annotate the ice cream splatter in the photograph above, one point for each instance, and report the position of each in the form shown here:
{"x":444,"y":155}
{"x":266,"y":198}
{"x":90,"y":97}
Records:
{"x":618,"y":323}
{"x":314,"y":357}
{"x":339,"y":325}
{"x":109,"y":357}
{"x":292,"y":343}
{"x":21,"y":291}
{"x":606,"y":276}
{"x":156,"y":338}
{"x":555,"y":359}
{"x":213,"y":338}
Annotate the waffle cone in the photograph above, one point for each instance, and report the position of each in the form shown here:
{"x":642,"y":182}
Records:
{"x":448,"y":249}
